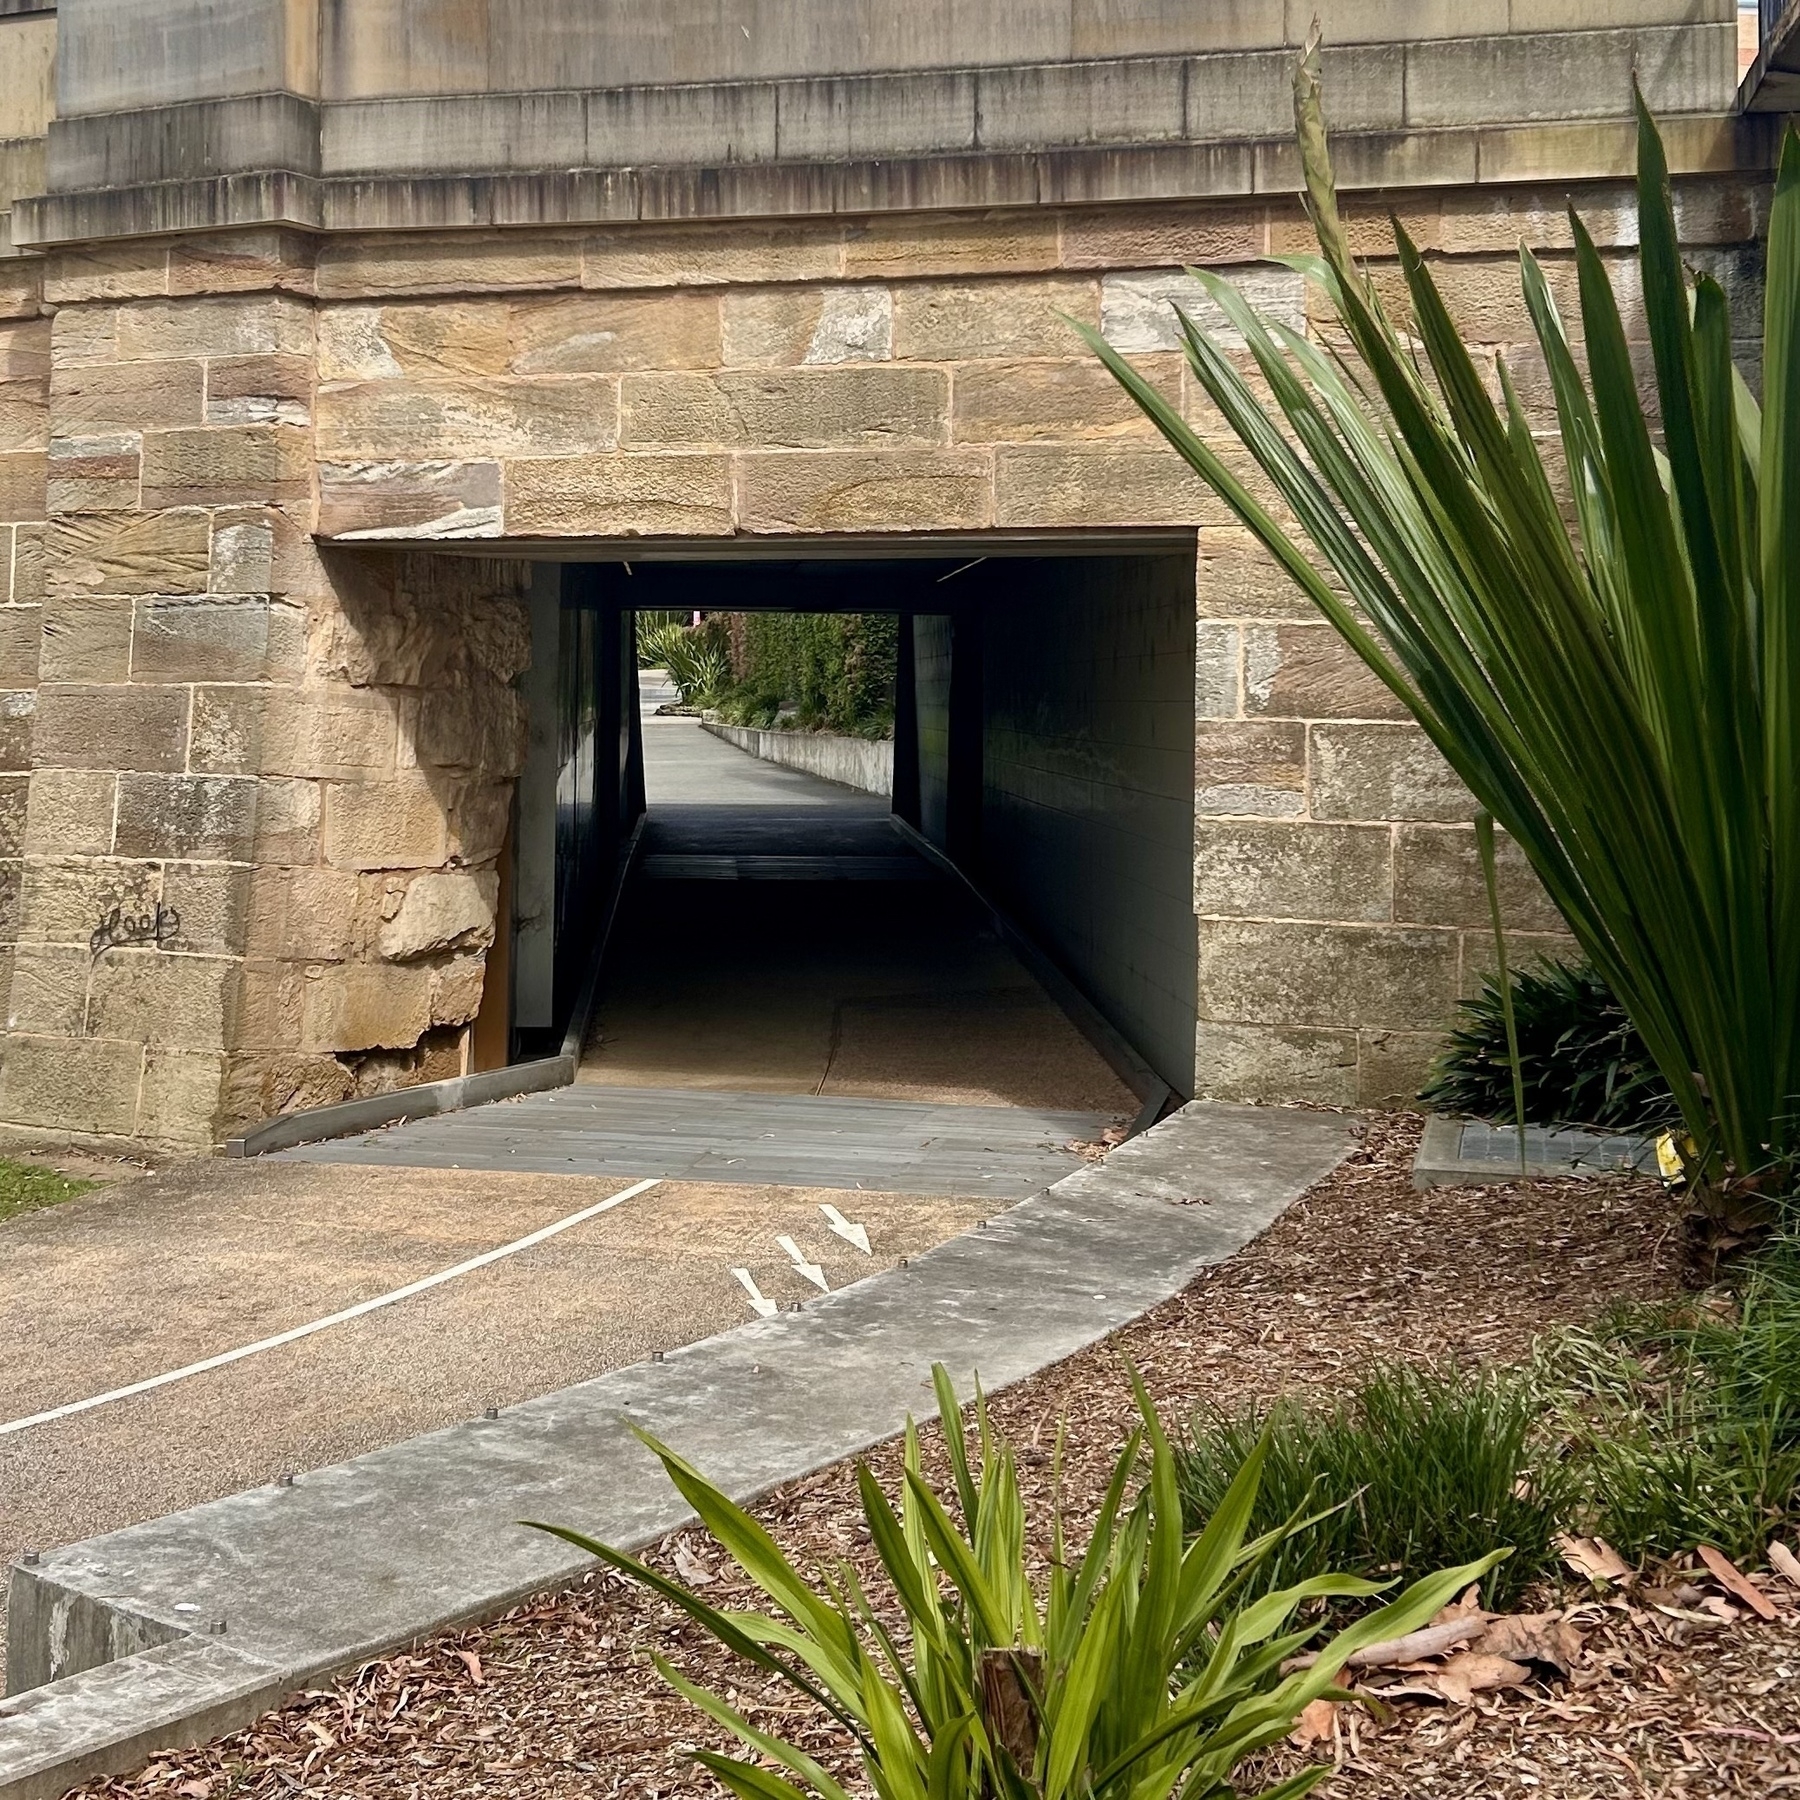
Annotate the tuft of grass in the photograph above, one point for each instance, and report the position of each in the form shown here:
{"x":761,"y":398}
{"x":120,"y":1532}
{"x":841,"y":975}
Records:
{"x":1416,"y":1470}
{"x":1685,"y":1416}
{"x":24,"y":1187}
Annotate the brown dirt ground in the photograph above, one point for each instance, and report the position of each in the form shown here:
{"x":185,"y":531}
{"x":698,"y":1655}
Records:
{"x":557,"y":1700}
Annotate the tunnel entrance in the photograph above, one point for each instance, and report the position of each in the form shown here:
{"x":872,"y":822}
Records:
{"x":1009,"y":924}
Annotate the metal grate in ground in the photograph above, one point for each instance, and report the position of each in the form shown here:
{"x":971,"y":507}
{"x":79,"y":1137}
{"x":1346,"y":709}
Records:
{"x":696,"y":1134}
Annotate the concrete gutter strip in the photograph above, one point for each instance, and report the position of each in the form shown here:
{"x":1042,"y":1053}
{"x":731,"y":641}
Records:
{"x":355,"y":1560}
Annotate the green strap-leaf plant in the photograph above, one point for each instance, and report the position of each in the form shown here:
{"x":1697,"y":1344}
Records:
{"x":1598,"y":627}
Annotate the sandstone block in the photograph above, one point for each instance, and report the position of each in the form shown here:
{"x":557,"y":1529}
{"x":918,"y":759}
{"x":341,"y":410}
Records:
{"x":1438,"y":881}
{"x":304,"y":915}
{"x":330,"y":733}
{"x":243,"y":558}
{"x":87,"y":637}
{"x":960,"y":321}
{"x":790,"y":408}
{"x":71,"y":1084}
{"x":179,"y":1102}
{"x":397,"y":824}
{"x":206,"y":817}
{"x":623,"y":495}
{"x":49,"y":989}
{"x":64,"y":901}
{"x":598,"y":334}
{"x":865,"y":491}
{"x":271,"y":1007}
{"x":288,"y":820}
{"x":254,"y":325}
{"x":152,"y":553}
{"x":456,"y":263}
{"x":257,"y":260}
{"x":1342,"y":977}
{"x":208,"y":639}
{"x":1392,"y":1066}
{"x":1273,"y":869}
{"x":1270,"y":1063}
{"x":259,"y":390}
{"x":21,"y":633}
{"x":481,"y":727}
{"x":369,"y":501}
{"x":24,"y":415}
{"x":28,"y":582}
{"x":709,"y":255}
{"x":18,"y":712}
{"x":1523,"y":948}
{"x":1218,"y":670}
{"x":213,"y":905}
{"x":1238,"y":579}
{"x":126,"y":272}
{"x":479,"y":820}
{"x":419,"y":421}
{"x":440,"y":913}
{"x":1017,"y":402}
{"x":160,"y":999}
{"x":1306,"y":671}
{"x":456,"y":989}
{"x":225,"y":465}
{"x":269,"y":1086}
{"x":84,"y":334}
{"x":71,"y":812}
{"x":1382,"y":772}
{"x":1249,"y":767}
{"x":95,"y":474}
{"x":366,"y":1006}
{"x":1138,"y":310}
{"x":1098,"y":484}
{"x":23,"y":478}
{"x":937,"y":244}
{"x":95,"y":399}
{"x":25,"y":350}
{"x":15,"y":793}
{"x":1176,"y":234}
{"x":140,"y":728}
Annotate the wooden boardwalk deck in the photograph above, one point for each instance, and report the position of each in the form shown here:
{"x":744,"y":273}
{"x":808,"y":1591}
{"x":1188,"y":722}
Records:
{"x":696,"y":1134}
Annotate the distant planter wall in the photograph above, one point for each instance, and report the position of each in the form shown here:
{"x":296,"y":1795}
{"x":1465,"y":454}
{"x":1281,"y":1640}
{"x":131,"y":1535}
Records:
{"x":865,"y":763}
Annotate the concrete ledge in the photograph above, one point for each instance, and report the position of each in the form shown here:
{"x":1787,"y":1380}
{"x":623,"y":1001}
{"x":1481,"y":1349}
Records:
{"x":864,"y":763}
{"x":1471,"y":1153}
{"x":353,"y":1561}
{"x":422,"y":1102}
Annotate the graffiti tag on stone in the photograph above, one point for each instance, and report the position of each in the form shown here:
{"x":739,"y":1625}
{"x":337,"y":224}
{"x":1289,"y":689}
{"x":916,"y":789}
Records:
{"x":119,"y":928}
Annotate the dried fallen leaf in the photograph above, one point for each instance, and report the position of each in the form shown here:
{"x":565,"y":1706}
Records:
{"x":1434,"y":1640}
{"x":1315,"y":1724}
{"x":1785,"y":1562}
{"x":691,"y":1569}
{"x":472,"y":1663}
{"x":1471,"y":1673}
{"x":1593,"y":1559}
{"x":1533,"y":1638}
{"x":1736,"y":1583}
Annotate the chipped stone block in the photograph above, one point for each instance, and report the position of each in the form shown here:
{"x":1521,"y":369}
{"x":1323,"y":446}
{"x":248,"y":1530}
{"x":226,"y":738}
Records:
{"x":259,"y":390}
{"x":1137,"y":310}
{"x":440,"y":913}
{"x":1275,"y":1064}
{"x":243,"y":558}
{"x":1306,"y":671}
{"x":305,"y":915}
{"x":95,"y":474}
{"x":365,"y":1006}
{"x":456,"y":989}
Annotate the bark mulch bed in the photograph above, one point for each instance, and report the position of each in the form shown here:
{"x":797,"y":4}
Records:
{"x":558,"y":1699}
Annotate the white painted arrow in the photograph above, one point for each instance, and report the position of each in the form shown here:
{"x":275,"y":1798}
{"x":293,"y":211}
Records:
{"x":810,"y":1271}
{"x":764,"y":1306}
{"x":855,"y":1234}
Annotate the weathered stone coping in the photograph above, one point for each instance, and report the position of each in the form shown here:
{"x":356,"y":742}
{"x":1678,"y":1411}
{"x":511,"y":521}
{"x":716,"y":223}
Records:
{"x":353,"y":1561}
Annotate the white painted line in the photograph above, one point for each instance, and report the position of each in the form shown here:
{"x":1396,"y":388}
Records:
{"x":855,"y":1234}
{"x":337,"y":1318}
{"x":765,"y":1307}
{"x":808,"y":1271}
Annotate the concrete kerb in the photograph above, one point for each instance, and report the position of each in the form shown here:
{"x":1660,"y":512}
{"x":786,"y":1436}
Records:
{"x":181,"y":1629}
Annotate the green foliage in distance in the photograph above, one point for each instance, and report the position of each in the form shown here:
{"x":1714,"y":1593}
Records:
{"x":24,"y":1187}
{"x":695,"y":656}
{"x":1580,"y":1058}
{"x":1620,"y":690}
{"x":1138,"y":1669}
{"x":1412,"y":1471}
{"x":817,"y":672}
